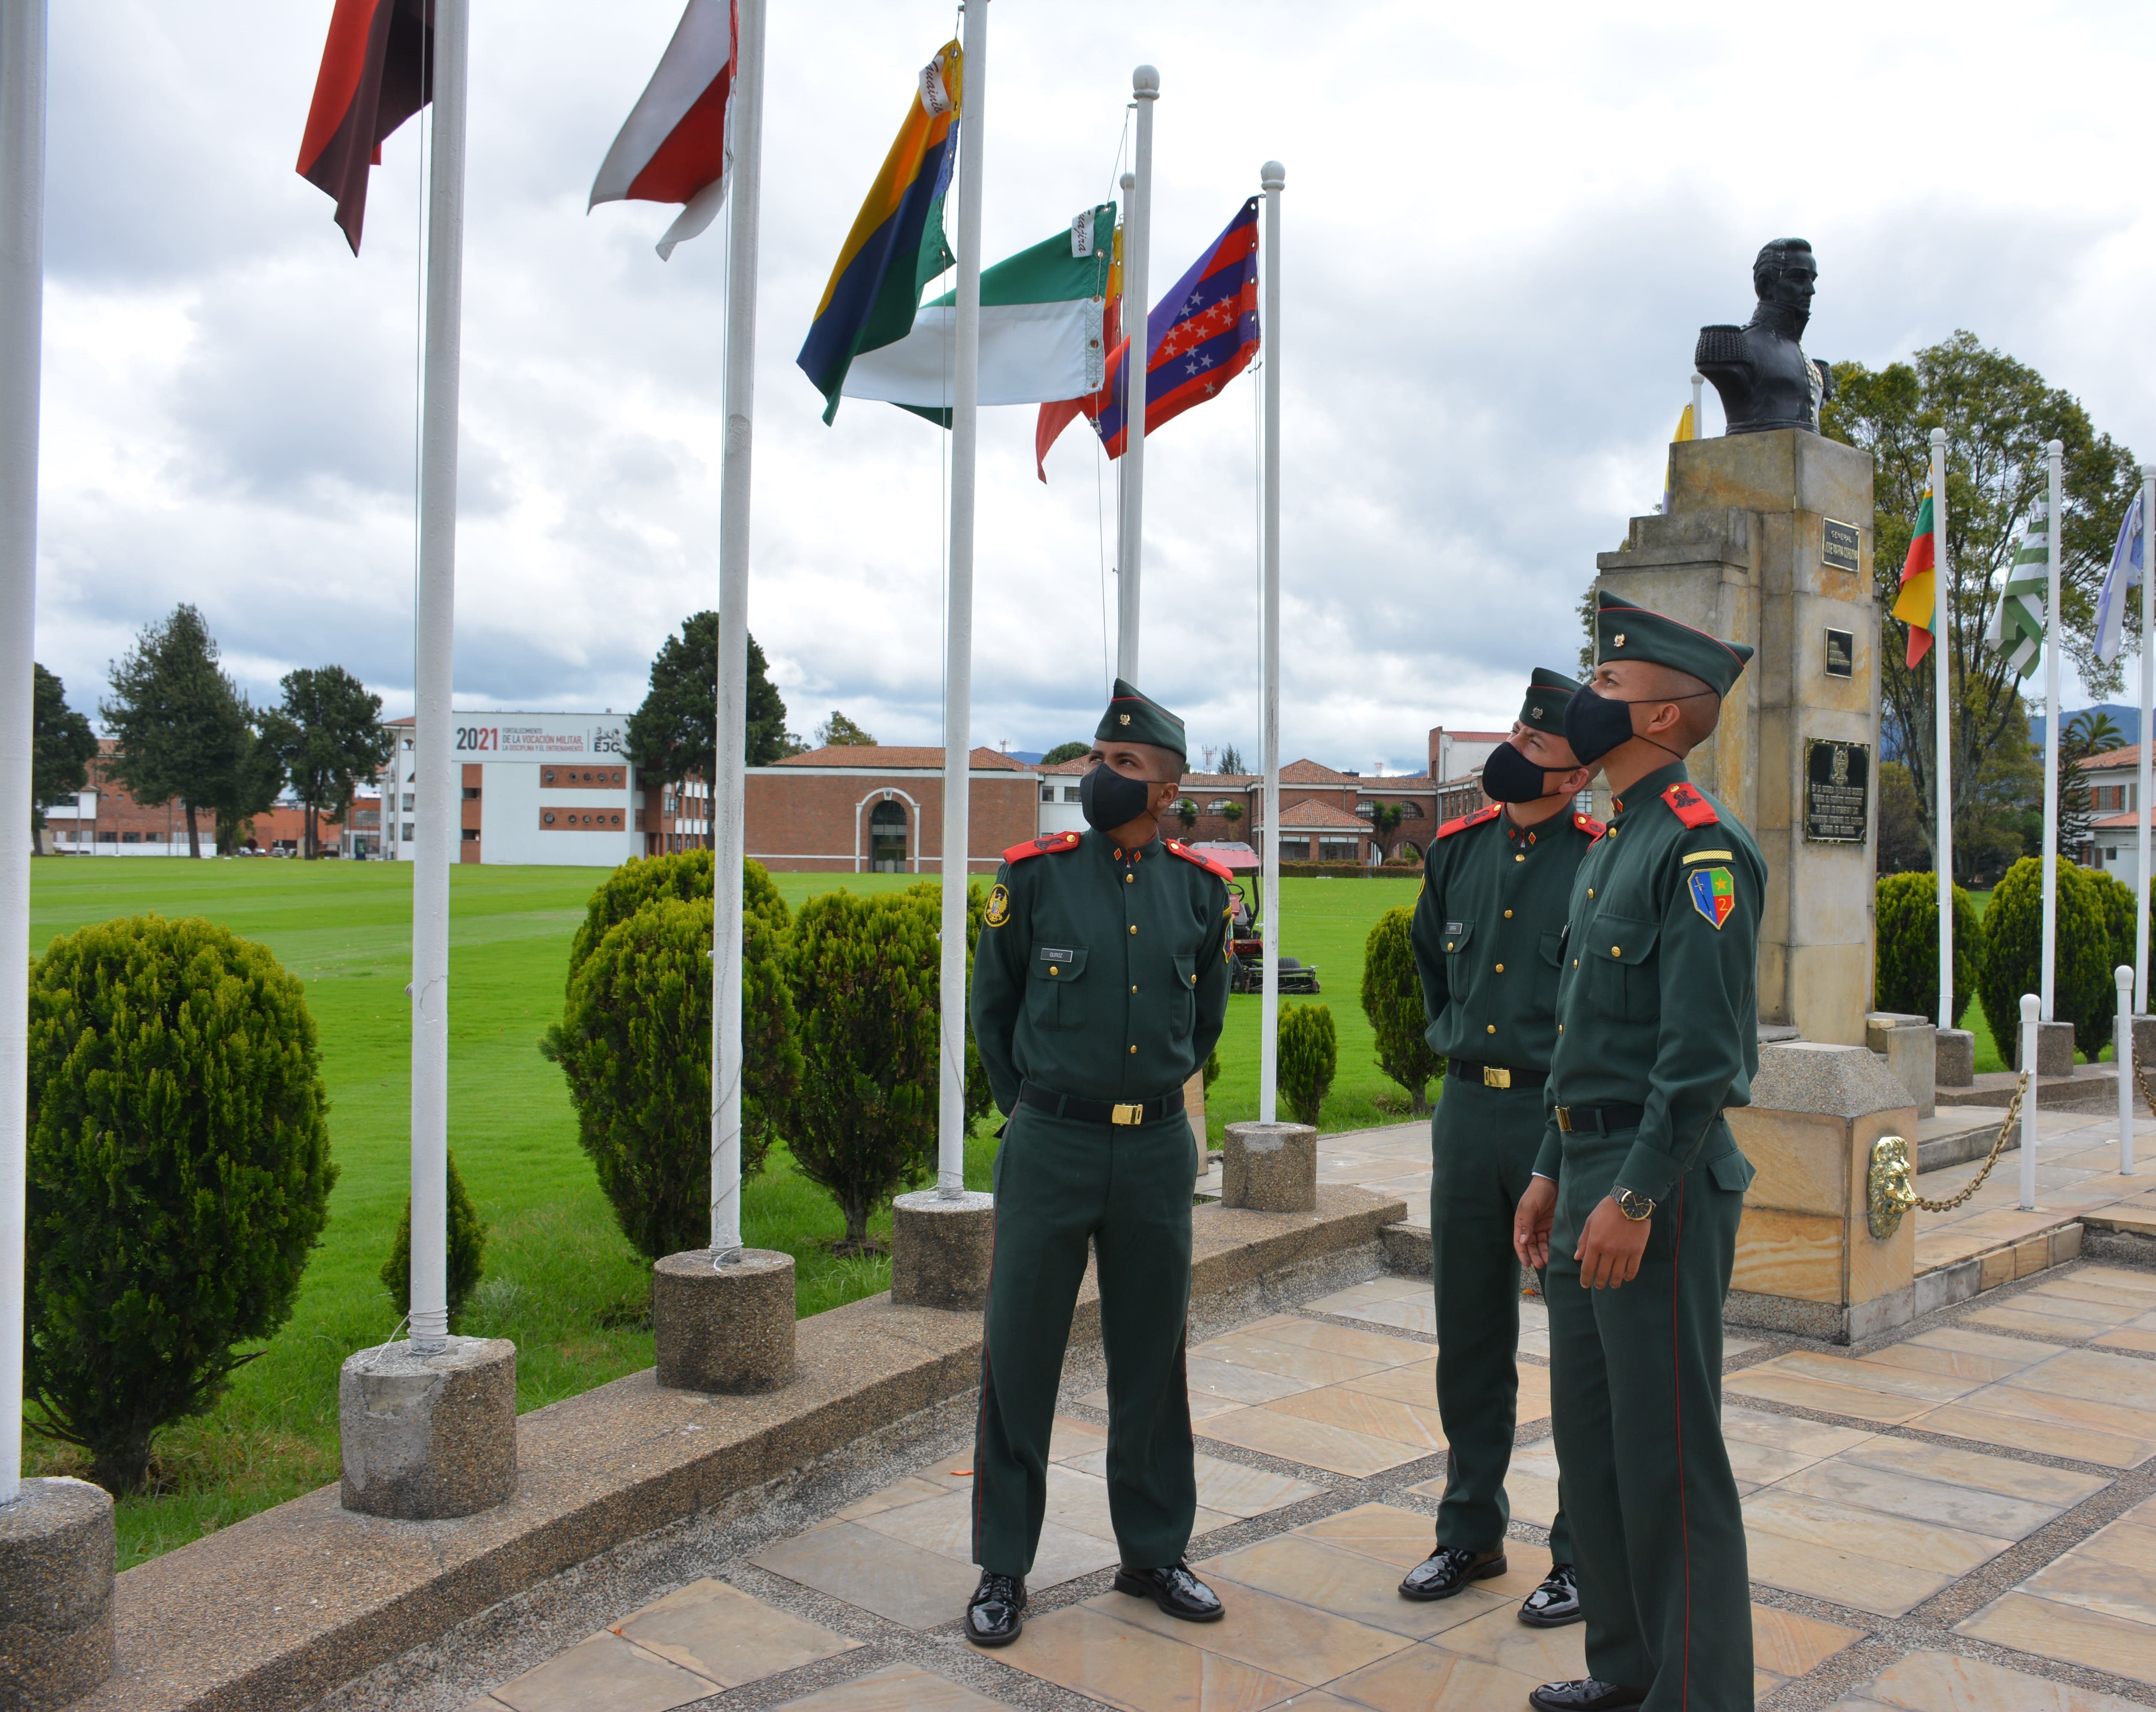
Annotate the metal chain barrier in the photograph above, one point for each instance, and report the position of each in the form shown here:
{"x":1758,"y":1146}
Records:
{"x":2141,"y":1081}
{"x":1997,"y":1146}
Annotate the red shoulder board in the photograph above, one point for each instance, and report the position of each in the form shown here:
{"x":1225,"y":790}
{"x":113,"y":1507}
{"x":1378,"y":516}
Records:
{"x":1690,"y":807}
{"x":1041,"y":846}
{"x":1466,"y":820}
{"x":1588,"y":824}
{"x":1206,"y":863}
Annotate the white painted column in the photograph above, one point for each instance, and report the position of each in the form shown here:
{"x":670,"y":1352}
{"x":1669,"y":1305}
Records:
{"x":1698,"y":405}
{"x":1137,"y":246}
{"x":2055,"y":456}
{"x":2122,"y":1056}
{"x":725,"y":803}
{"x":1942,"y":723}
{"x":958,"y":642}
{"x":22,"y":323}
{"x":2031,"y":1008}
{"x":437,"y":787}
{"x":1274,"y":177}
{"x":2147,"y":716}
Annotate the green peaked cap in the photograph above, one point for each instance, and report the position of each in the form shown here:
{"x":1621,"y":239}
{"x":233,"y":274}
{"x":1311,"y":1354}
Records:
{"x":1624,"y":631}
{"x":1548,"y":691}
{"x":1134,"y":717}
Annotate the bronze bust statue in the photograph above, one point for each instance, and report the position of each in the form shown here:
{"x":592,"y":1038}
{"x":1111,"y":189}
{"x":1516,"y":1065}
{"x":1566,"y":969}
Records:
{"x":1760,"y":369}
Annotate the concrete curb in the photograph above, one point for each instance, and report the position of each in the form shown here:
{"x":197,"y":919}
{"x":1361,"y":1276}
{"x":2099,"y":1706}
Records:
{"x":277,"y":1610}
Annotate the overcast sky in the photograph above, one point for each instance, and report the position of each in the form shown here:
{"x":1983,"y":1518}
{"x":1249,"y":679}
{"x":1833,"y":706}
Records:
{"x":1504,"y":227}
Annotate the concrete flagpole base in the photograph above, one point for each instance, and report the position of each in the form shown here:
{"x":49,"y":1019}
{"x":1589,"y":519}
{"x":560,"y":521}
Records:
{"x":428,"y":1435}
{"x":941,"y":1249}
{"x":1270,"y":1168}
{"x":1955,"y":1051}
{"x":56,"y":1557}
{"x":724,"y":1326}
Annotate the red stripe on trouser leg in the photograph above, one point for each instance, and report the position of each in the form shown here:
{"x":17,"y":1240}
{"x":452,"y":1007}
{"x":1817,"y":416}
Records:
{"x":1677,"y":1393}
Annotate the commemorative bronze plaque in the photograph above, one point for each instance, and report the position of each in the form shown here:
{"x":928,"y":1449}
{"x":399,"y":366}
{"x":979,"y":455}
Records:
{"x":1839,"y":544}
{"x":1841,"y":653}
{"x":1837,"y":791}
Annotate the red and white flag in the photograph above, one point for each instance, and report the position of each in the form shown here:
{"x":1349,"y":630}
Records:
{"x":677,"y":145}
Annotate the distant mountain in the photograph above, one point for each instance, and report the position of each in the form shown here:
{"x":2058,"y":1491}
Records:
{"x":1030,"y":757}
{"x":2127,"y":718}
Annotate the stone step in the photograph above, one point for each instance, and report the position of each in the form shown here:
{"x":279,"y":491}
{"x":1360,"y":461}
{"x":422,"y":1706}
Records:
{"x":2089,"y":1086}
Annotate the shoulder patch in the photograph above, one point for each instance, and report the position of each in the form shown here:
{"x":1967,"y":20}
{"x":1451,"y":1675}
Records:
{"x":1221,"y":870}
{"x":1466,"y":820}
{"x":1690,"y":807}
{"x":1041,"y":846}
{"x":1588,"y":824}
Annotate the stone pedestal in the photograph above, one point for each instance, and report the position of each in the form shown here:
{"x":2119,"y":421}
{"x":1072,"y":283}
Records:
{"x":2054,"y":1049}
{"x":725,"y":1327}
{"x":428,"y":1435}
{"x":1744,"y":554}
{"x":1954,"y":1051}
{"x":2144,"y":1046}
{"x":1270,"y":1168}
{"x":1908,"y":1045}
{"x":56,"y":1555}
{"x":1806,"y":1259}
{"x":940,"y":1247}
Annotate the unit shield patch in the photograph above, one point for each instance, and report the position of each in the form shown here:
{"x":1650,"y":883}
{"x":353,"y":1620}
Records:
{"x":1713,"y":894}
{"x":999,"y":906}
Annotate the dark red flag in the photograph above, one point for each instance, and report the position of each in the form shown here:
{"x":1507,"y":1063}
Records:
{"x":377,"y":71}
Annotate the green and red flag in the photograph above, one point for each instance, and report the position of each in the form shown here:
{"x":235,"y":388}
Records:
{"x":377,"y":71}
{"x":1916,"y":605}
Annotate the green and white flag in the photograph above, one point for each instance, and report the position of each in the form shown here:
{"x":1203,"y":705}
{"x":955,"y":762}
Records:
{"x":1040,"y":329}
{"x":2017,"y":622}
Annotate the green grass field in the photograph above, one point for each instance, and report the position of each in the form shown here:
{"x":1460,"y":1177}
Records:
{"x":560,"y":1279}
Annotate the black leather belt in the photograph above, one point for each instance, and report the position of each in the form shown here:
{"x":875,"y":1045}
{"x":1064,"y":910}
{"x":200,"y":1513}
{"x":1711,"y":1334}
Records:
{"x":1494,"y":1075}
{"x":1603,"y":1120}
{"x":1042,"y":1099}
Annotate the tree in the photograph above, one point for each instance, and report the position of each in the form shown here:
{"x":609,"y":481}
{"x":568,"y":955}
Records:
{"x":1385,"y":819}
{"x":1066,"y":752}
{"x":250,"y":785}
{"x":327,"y":734}
{"x":62,"y":745}
{"x":179,"y":726}
{"x":1187,"y":812}
{"x":2087,"y":734}
{"x":1905,"y":960}
{"x":1309,"y":1054}
{"x":675,"y":734}
{"x":466,"y":1251}
{"x":838,"y":732}
{"x":1231,"y":760}
{"x":1902,"y":847}
{"x":1392,"y":1000}
{"x":1998,"y":415}
{"x":1231,"y":811}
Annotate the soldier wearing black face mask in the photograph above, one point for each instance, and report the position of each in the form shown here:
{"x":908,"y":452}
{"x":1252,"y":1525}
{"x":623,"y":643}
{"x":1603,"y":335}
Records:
{"x":1099,"y":988}
{"x":1485,"y":938}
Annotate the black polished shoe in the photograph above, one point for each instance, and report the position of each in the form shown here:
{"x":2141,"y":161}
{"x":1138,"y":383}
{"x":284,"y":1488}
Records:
{"x":995,"y":1612}
{"x":1174,"y":1589}
{"x":1446,"y":1571}
{"x":1587,"y":1695}
{"x":1556,"y":1602}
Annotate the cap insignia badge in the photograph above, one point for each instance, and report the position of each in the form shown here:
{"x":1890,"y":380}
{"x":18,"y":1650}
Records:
{"x":1618,"y":641}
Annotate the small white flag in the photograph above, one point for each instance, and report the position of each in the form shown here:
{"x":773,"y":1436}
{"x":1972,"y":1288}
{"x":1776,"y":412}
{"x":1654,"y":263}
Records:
{"x":2127,"y":558}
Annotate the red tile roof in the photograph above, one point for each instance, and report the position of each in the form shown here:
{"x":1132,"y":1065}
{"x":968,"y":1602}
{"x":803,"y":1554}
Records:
{"x":896,"y":757}
{"x":1319,"y":817}
{"x":2130,"y":756}
{"x":1308,"y":772}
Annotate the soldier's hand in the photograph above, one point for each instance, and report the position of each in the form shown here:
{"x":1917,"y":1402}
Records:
{"x":1530,"y":1222}
{"x":1610,"y":1247}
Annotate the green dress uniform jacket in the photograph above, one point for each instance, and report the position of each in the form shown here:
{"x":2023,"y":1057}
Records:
{"x":1658,"y":1033}
{"x":1487,"y":935}
{"x":1101,"y":976}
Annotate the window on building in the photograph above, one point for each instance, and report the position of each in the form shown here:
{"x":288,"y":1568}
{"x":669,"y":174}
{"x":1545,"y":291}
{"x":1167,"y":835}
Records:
{"x":108,"y":838}
{"x":887,"y":839}
{"x":408,"y":830}
{"x":471,"y":834}
{"x":1070,"y":793}
{"x":1366,"y":808}
{"x":1336,"y":850}
{"x":408,"y":805}
{"x":130,"y":838}
{"x":1047,"y":793}
{"x":1217,"y":805}
{"x":471,"y":792}
{"x":1411,"y":811}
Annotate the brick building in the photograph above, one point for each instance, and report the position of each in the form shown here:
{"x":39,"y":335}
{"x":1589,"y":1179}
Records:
{"x":104,"y":818}
{"x":879,"y":808}
{"x":1321,"y":809}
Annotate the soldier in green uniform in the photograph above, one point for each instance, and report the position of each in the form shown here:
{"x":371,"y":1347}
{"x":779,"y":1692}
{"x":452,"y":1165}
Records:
{"x":1639,"y":1184}
{"x":1099,"y":988}
{"x":1496,"y":885}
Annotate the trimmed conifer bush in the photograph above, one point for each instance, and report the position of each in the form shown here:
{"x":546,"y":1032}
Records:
{"x":2114,"y":899}
{"x":179,"y":1172}
{"x":1309,"y":1056}
{"x":2082,"y":993}
{"x":1907,"y":969}
{"x":865,"y":978}
{"x":686,"y":875}
{"x":635,"y":1044}
{"x":1392,"y":999}
{"x":467,"y":1254}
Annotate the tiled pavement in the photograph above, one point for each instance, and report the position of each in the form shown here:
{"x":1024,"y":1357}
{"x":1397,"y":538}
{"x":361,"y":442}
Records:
{"x":1961,"y":1520}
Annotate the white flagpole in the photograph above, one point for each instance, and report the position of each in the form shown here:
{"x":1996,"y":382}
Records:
{"x":2055,"y":457}
{"x":2148,"y":718}
{"x":1137,"y":246}
{"x":1942,"y":762}
{"x":958,"y":668}
{"x":1698,"y":406}
{"x":1274,"y":177}
{"x":439,"y":778}
{"x":21,"y":321}
{"x":729,"y":837}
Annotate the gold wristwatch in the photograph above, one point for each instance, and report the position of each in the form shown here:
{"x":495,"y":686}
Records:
{"x":1635,"y":1206}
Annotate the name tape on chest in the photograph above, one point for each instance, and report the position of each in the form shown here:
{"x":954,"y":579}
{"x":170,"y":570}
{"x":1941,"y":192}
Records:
{"x":1050,"y":954}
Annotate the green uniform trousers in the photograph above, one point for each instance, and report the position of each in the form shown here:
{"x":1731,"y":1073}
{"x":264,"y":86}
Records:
{"x":1126,"y":1190}
{"x":1482,"y":1145}
{"x":1636,"y":1382}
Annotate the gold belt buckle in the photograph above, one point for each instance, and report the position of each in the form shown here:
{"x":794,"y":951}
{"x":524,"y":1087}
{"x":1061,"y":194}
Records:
{"x":1496,"y":1075}
{"x":1126,"y":1114}
{"x":1564,"y":1119}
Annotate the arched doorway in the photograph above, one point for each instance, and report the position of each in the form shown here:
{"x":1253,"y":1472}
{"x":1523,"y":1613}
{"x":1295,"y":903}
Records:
{"x":887,"y":838}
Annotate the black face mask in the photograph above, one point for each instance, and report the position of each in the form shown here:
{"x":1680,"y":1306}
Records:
{"x":1510,"y":777}
{"x":1595,"y":725}
{"x":1108,"y":799}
